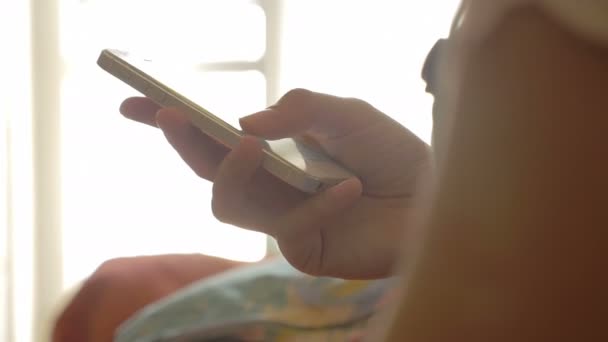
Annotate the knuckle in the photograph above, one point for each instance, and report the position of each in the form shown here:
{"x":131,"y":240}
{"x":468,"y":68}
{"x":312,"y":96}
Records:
{"x":358,"y":104}
{"x":109,"y":274}
{"x":202,"y":173}
{"x":220,"y":209}
{"x":295,"y":95}
{"x":112,"y":267}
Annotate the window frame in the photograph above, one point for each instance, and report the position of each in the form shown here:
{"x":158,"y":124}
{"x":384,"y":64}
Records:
{"x":46,"y":147}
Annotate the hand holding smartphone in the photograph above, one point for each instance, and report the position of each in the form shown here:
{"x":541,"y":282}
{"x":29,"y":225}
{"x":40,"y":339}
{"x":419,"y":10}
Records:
{"x":289,"y":160}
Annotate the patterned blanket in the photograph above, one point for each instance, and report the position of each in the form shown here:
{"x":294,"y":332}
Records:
{"x":266,"y":302}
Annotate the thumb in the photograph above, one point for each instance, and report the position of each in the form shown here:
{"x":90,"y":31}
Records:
{"x":271,"y":124}
{"x":294,"y":113}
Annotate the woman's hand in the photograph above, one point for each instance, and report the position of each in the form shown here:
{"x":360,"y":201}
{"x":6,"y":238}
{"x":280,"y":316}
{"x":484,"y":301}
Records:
{"x":352,"y":230}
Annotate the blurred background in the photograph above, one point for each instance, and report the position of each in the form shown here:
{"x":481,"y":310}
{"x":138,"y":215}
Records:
{"x":79,"y":184}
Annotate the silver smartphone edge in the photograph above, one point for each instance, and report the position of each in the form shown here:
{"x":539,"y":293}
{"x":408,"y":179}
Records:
{"x":206,"y":121}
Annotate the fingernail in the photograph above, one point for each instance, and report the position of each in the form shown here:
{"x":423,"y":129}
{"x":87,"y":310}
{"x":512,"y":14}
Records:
{"x":346,"y":188}
{"x":248,"y":120}
{"x":158,"y":113}
{"x":124,"y":107}
{"x":244,"y":121}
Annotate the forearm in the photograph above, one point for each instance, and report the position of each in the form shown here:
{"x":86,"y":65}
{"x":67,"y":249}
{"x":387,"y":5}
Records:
{"x":518,"y":234}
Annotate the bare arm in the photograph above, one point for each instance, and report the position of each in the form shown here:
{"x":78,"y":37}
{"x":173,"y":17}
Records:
{"x":518,"y":243}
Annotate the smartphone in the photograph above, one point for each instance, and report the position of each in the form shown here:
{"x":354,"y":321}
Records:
{"x":293,"y":162}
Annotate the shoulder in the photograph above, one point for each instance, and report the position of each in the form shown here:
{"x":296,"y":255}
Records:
{"x":586,"y":18}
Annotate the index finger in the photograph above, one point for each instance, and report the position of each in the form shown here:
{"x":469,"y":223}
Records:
{"x":301,"y":110}
{"x":140,"y":109}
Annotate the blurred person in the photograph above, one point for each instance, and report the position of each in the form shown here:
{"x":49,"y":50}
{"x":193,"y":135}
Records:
{"x":511,"y":242}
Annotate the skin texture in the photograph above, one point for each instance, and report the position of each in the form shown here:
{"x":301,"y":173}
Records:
{"x":517,"y":239}
{"x":353,"y":230}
